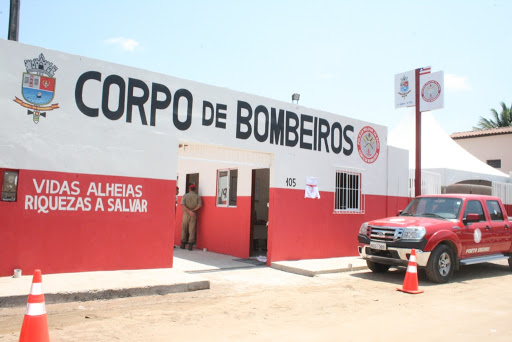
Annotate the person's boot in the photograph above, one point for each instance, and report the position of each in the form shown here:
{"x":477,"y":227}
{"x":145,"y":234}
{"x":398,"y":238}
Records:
{"x":182,"y":246}
{"x":190,"y":246}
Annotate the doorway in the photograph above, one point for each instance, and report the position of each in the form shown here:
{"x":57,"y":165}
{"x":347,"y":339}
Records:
{"x":259,"y":211}
{"x":227,"y":228}
{"x":192,"y":178}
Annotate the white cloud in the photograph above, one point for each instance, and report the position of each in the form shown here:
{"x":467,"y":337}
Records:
{"x":454,"y":82}
{"x":126,"y":44}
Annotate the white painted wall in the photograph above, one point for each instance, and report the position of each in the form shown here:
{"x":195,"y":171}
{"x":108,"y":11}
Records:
{"x":206,"y":160}
{"x":398,"y":175}
{"x":490,"y":147}
{"x":70,"y":141}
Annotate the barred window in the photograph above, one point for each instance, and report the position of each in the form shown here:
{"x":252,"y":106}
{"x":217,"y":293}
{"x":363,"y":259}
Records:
{"x":348,"y":197}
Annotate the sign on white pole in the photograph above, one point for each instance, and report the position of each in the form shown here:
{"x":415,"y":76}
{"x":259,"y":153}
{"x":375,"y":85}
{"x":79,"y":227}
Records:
{"x":432,"y":91}
{"x":405,"y":89}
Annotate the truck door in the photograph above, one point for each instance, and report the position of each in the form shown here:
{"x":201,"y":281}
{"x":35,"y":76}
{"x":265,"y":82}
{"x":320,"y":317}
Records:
{"x":500,"y":229}
{"x":476,"y":237}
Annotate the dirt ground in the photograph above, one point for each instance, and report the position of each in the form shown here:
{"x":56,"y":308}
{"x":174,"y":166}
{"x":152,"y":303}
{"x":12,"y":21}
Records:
{"x":263,"y":304}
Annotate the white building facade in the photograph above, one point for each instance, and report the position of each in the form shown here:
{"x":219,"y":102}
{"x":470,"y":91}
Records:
{"x":91,"y":154}
{"x":490,"y":146}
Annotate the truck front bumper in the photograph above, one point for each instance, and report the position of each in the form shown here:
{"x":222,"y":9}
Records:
{"x":395,"y":256}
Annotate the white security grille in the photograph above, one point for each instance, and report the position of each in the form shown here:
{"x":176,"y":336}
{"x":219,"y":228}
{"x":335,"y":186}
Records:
{"x":503,"y":191}
{"x":348,"y":197}
{"x":430,"y":183}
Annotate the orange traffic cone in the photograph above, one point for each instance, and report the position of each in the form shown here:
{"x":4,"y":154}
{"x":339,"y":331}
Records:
{"x":411,"y":276}
{"x":35,"y":323}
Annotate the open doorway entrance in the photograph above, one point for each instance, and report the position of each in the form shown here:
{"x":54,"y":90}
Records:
{"x":192,"y":178}
{"x":259,"y":211}
{"x":226,"y":224}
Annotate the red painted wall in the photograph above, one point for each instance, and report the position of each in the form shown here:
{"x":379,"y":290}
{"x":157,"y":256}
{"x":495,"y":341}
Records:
{"x":93,"y":238}
{"x":86,"y":240}
{"x":224,"y":230}
{"x":301,"y":228}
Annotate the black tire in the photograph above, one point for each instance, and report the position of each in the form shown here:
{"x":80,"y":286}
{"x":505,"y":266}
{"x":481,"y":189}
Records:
{"x":376,"y":267}
{"x":510,"y":262}
{"x":441,"y":264}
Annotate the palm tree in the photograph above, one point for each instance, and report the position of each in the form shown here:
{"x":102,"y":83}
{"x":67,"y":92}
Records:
{"x":503,"y":119}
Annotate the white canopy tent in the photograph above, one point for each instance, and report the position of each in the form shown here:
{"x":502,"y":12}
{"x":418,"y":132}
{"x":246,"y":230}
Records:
{"x":440,"y":154}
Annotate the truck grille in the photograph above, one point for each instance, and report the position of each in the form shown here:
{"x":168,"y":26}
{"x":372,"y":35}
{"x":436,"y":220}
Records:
{"x":386,"y":234}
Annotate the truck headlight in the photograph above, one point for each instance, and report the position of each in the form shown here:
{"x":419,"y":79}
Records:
{"x":413,"y":233}
{"x":363,"y":229}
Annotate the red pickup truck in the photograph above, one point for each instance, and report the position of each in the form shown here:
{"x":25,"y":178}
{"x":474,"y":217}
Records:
{"x":445,"y":230}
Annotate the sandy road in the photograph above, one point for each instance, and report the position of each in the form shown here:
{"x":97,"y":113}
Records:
{"x":263,"y":304}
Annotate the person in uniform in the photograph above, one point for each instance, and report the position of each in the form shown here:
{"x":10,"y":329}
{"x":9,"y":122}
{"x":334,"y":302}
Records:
{"x":191,"y":203}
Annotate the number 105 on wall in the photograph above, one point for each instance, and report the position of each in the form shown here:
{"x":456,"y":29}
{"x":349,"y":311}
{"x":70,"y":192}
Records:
{"x":290,"y":182}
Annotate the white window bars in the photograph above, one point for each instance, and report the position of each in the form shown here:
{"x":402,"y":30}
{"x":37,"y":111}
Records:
{"x":348,"y":196}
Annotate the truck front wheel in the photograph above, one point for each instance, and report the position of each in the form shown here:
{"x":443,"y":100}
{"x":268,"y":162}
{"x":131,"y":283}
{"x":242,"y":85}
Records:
{"x":440,"y":265}
{"x":376,"y":267}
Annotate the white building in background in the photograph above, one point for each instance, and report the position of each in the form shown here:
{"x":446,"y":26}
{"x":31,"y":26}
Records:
{"x":492,"y":146}
{"x":440,"y":154}
{"x":457,"y":170}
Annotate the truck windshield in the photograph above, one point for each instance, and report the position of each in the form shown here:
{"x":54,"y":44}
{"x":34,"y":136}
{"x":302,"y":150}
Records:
{"x":436,"y":207}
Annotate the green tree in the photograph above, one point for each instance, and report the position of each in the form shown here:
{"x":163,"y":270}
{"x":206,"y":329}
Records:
{"x":503,"y":119}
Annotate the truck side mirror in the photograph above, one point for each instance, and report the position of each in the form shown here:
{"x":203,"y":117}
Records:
{"x":472,"y":218}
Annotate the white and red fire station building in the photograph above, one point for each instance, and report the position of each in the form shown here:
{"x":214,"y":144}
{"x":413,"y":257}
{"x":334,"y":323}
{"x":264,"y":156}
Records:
{"x":91,"y":154}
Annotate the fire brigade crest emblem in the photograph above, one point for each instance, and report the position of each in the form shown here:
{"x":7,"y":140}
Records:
{"x":38,"y":87}
{"x":404,"y":87}
{"x":368,"y":144}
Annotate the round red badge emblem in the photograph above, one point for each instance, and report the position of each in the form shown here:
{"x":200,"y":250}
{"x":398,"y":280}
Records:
{"x":368,"y":144}
{"x":430,"y":91}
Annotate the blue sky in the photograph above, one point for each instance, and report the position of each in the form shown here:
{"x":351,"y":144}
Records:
{"x":340,"y":56}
